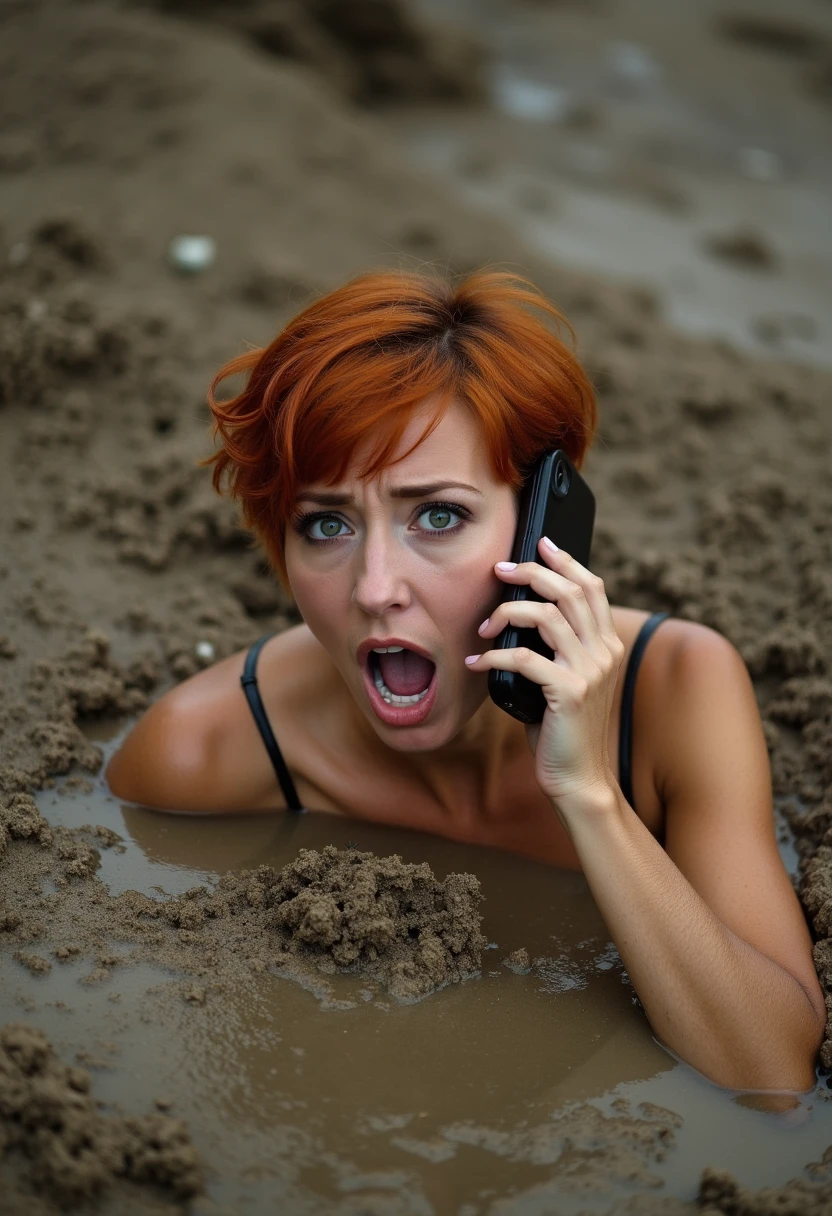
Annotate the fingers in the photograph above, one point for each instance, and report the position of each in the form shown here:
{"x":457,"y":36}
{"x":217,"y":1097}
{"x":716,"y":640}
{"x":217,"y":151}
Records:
{"x":591,"y":584}
{"x":523,"y":660}
{"x":546,"y":618}
{"x":579,"y":594}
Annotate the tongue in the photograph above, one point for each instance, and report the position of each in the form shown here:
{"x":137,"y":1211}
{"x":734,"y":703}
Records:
{"x":405,"y":672}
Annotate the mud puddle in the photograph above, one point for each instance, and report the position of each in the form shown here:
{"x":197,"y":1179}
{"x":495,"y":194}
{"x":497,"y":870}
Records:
{"x":500,"y":1094}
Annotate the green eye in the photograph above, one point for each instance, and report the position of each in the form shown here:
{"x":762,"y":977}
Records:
{"x":439,"y":517}
{"x":443,"y":519}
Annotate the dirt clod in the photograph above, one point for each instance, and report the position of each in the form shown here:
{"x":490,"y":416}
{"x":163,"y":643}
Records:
{"x":49,"y":1120}
{"x":394,"y":920}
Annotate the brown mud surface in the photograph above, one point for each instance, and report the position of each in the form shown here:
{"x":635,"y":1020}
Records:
{"x":393,"y":921}
{"x":74,"y":1153}
{"x":632,"y":137}
{"x":536,"y":1085}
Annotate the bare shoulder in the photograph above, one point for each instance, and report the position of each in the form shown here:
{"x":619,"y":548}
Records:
{"x":705,"y":687}
{"x":695,"y":676}
{"x":664,"y":696}
{"x":197,"y":748}
{"x":677,"y":643}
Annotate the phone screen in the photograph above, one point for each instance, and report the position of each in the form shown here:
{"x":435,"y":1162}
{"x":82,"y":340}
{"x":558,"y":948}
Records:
{"x":555,"y":502}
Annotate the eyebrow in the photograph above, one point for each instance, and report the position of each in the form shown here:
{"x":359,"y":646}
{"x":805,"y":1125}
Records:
{"x":332,"y":498}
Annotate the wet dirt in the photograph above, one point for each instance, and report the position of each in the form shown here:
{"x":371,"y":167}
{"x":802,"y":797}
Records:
{"x":73,"y":1153}
{"x":642,"y":140}
{"x":536,"y":1085}
{"x":322,"y":1092}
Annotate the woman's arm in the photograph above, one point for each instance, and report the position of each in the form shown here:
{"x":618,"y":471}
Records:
{"x":710,"y":930}
{"x":709,"y":927}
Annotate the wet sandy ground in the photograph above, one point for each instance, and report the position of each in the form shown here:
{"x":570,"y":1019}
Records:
{"x":489,"y":1096}
{"x":683,"y":146}
{"x":116,"y":562}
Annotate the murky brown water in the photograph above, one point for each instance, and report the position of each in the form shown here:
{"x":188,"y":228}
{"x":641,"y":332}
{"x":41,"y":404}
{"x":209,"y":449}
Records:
{"x":504,"y":1094}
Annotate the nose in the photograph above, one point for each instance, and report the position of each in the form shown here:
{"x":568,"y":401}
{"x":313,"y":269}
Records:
{"x":380,"y":580}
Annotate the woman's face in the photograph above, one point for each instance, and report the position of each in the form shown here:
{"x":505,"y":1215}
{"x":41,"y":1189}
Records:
{"x":407,"y":559}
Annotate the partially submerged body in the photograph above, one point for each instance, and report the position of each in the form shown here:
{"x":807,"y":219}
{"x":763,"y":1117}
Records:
{"x":198,"y":749}
{"x":375,"y":401}
{"x":700,"y":776}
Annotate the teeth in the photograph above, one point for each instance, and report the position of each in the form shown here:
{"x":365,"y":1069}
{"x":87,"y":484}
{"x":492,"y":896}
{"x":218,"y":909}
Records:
{"x":391,"y":698}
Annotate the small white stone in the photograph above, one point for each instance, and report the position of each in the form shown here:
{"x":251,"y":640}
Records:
{"x":759,"y":164}
{"x":633,"y":63}
{"x":36,"y":310}
{"x":205,"y":651}
{"x":192,"y":254}
{"x":521,"y":97}
{"x":18,"y":253}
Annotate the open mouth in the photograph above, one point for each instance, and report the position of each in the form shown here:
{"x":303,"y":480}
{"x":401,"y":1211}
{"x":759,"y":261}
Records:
{"x":402,"y":684}
{"x":402,"y":677}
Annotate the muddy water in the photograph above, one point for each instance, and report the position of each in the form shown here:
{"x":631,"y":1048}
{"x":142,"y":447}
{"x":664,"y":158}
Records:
{"x":502,"y":1094}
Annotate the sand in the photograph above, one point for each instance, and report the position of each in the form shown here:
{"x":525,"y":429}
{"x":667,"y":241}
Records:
{"x":394,"y":921}
{"x":72,"y":1152}
{"x":124,"y":127}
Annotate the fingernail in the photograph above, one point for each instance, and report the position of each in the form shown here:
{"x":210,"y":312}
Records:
{"x":550,"y":543}
{"x":506,"y":565}
{"x":472,"y":658}
{"x":484,"y":624}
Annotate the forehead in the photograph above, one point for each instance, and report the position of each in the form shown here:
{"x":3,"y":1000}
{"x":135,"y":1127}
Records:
{"x":456,"y":447}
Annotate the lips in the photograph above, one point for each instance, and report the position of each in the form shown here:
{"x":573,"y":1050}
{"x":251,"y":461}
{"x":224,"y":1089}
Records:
{"x":396,"y":715}
{"x":400,"y":715}
{"x":363,"y":652}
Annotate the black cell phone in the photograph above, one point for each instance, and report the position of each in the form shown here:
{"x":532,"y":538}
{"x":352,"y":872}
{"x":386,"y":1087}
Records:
{"x":555,"y":502}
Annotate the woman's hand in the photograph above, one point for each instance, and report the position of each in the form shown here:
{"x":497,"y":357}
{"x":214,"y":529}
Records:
{"x":570,"y":745}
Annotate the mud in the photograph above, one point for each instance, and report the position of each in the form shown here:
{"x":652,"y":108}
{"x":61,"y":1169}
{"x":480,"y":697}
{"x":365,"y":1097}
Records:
{"x":719,"y":1192}
{"x":120,"y":573}
{"x":72,"y":1152}
{"x":744,"y":248}
{"x":395,"y":921}
{"x":518,"y":1073}
{"x":621,"y":137}
{"x":333,"y":910}
{"x":377,"y":51}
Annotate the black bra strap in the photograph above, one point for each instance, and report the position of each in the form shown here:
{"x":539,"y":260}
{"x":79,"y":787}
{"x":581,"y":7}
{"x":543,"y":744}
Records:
{"x":249,"y":682}
{"x":625,"y":734}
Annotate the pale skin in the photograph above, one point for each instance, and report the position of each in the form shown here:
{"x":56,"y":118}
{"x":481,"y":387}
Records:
{"x":691,"y":886}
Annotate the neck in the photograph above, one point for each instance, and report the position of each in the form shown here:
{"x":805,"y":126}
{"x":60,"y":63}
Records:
{"x":463,"y":775}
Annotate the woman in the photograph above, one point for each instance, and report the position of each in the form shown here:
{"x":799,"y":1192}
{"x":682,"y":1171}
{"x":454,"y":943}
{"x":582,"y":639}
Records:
{"x":377,"y":449}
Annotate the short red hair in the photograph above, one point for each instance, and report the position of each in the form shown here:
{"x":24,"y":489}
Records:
{"x":363,"y":357}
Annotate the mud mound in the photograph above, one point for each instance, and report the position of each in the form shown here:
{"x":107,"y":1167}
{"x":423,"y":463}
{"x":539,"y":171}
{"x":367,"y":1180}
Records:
{"x":381,"y":914}
{"x":84,"y":683}
{"x":338,"y":910}
{"x":49,"y":1124}
{"x":374,"y":51}
{"x":775,"y":34}
{"x":45,"y":344}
